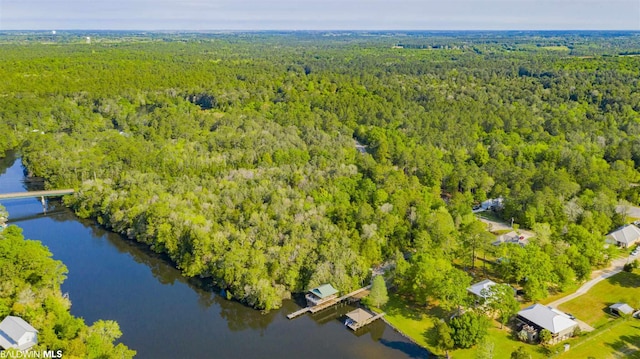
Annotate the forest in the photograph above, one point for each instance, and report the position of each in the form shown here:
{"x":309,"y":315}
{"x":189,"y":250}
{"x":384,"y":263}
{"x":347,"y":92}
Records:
{"x":235,"y":155}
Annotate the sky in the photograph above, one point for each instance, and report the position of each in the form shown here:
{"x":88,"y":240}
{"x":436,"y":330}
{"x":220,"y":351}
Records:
{"x":319,"y":14}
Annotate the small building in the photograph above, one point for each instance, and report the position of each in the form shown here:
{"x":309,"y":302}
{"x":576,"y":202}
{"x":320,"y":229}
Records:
{"x":538,"y":317}
{"x":481,"y":289}
{"x":492,"y":204}
{"x":624,"y":236}
{"x":321,"y":294}
{"x":621,"y":309}
{"x":15,"y":333}
{"x":358,"y":318}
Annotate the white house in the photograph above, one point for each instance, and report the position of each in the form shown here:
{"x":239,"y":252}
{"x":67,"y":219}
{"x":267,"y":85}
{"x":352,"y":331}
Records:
{"x":481,"y":289}
{"x":625,"y":236}
{"x":15,"y":333}
{"x":538,"y":317}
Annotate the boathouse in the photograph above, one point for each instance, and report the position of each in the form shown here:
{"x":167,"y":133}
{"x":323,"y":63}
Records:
{"x":321,"y":294}
{"x":358,"y":318}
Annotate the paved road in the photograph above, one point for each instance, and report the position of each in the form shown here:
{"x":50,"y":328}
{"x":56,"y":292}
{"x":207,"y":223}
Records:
{"x":596,"y":277}
{"x":632,"y":211}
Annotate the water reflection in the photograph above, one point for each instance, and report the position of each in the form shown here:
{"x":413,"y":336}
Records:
{"x":111,"y":277}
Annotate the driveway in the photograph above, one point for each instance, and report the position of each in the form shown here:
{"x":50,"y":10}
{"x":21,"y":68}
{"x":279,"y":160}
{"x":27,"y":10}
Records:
{"x":632,"y":211}
{"x":493,"y":226}
{"x":596,"y":277}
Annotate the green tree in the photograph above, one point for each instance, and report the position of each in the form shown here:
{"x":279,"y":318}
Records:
{"x":501,"y":300}
{"x":443,"y":335}
{"x":468,"y":329}
{"x":520,"y":353}
{"x":4,"y":215}
{"x":101,"y":336}
{"x":486,"y":349}
{"x":544,"y":336}
{"x":378,"y":295}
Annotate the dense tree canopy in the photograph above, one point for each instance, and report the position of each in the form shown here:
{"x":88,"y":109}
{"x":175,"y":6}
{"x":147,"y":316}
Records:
{"x":235,"y":155}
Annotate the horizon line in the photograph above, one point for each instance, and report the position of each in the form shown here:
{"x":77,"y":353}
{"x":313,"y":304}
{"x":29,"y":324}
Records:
{"x":324,"y":30}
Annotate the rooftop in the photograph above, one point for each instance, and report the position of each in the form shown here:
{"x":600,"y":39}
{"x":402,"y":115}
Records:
{"x":627,"y":234}
{"x":359,"y":315}
{"x":324,"y":291}
{"x":12,"y":329}
{"x":481,"y":289}
{"x":548,"y":318}
{"x":622,"y":308}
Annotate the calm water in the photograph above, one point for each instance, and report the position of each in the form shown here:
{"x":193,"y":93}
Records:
{"x":164,"y":315}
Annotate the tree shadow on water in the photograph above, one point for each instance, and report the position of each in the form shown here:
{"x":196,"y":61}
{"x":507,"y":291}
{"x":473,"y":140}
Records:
{"x":410,"y":349}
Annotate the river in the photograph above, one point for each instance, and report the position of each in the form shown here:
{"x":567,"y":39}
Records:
{"x":165,"y":315}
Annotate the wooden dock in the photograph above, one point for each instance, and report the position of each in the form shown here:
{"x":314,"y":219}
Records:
{"x":298,"y":313}
{"x":357,"y":325}
{"x":327,"y":304}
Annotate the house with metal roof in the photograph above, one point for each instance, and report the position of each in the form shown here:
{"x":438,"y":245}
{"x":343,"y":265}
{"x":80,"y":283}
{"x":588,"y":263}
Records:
{"x":321,"y":294}
{"x":538,"y":317}
{"x":624,"y":236}
{"x":481,"y":289}
{"x":15,"y":333}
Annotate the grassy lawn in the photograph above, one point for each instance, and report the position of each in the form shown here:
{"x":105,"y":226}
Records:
{"x":557,"y":295}
{"x":592,"y":306}
{"x":417,"y":322}
{"x":490,"y":215}
{"x":619,"y":340}
{"x":503,"y":345}
{"x":611,"y":339}
{"x":412,"y":320}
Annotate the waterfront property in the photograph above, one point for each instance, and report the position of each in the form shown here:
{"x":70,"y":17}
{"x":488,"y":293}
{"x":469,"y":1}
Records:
{"x":325,"y":296}
{"x":15,"y":333}
{"x":537,"y":317}
{"x":359,"y":318}
{"x":625,"y":236}
{"x":319,"y":295}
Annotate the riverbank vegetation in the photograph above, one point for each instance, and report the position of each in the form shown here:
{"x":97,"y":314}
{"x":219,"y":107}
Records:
{"x":235,"y":156}
{"x":30,"y":288}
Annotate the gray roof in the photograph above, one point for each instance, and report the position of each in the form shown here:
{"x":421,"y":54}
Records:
{"x":12,"y":329}
{"x":324,"y":291}
{"x":547,"y":318}
{"x":622,"y":308}
{"x":478,"y":288}
{"x":359,"y":315}
{"x":627,"y":234}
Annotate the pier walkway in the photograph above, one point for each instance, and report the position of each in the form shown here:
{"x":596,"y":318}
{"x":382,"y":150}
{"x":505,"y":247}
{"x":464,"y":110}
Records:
{"x":327,"y":304}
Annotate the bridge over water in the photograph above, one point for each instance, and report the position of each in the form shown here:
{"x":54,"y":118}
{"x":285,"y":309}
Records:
{"x":36,"y":194}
